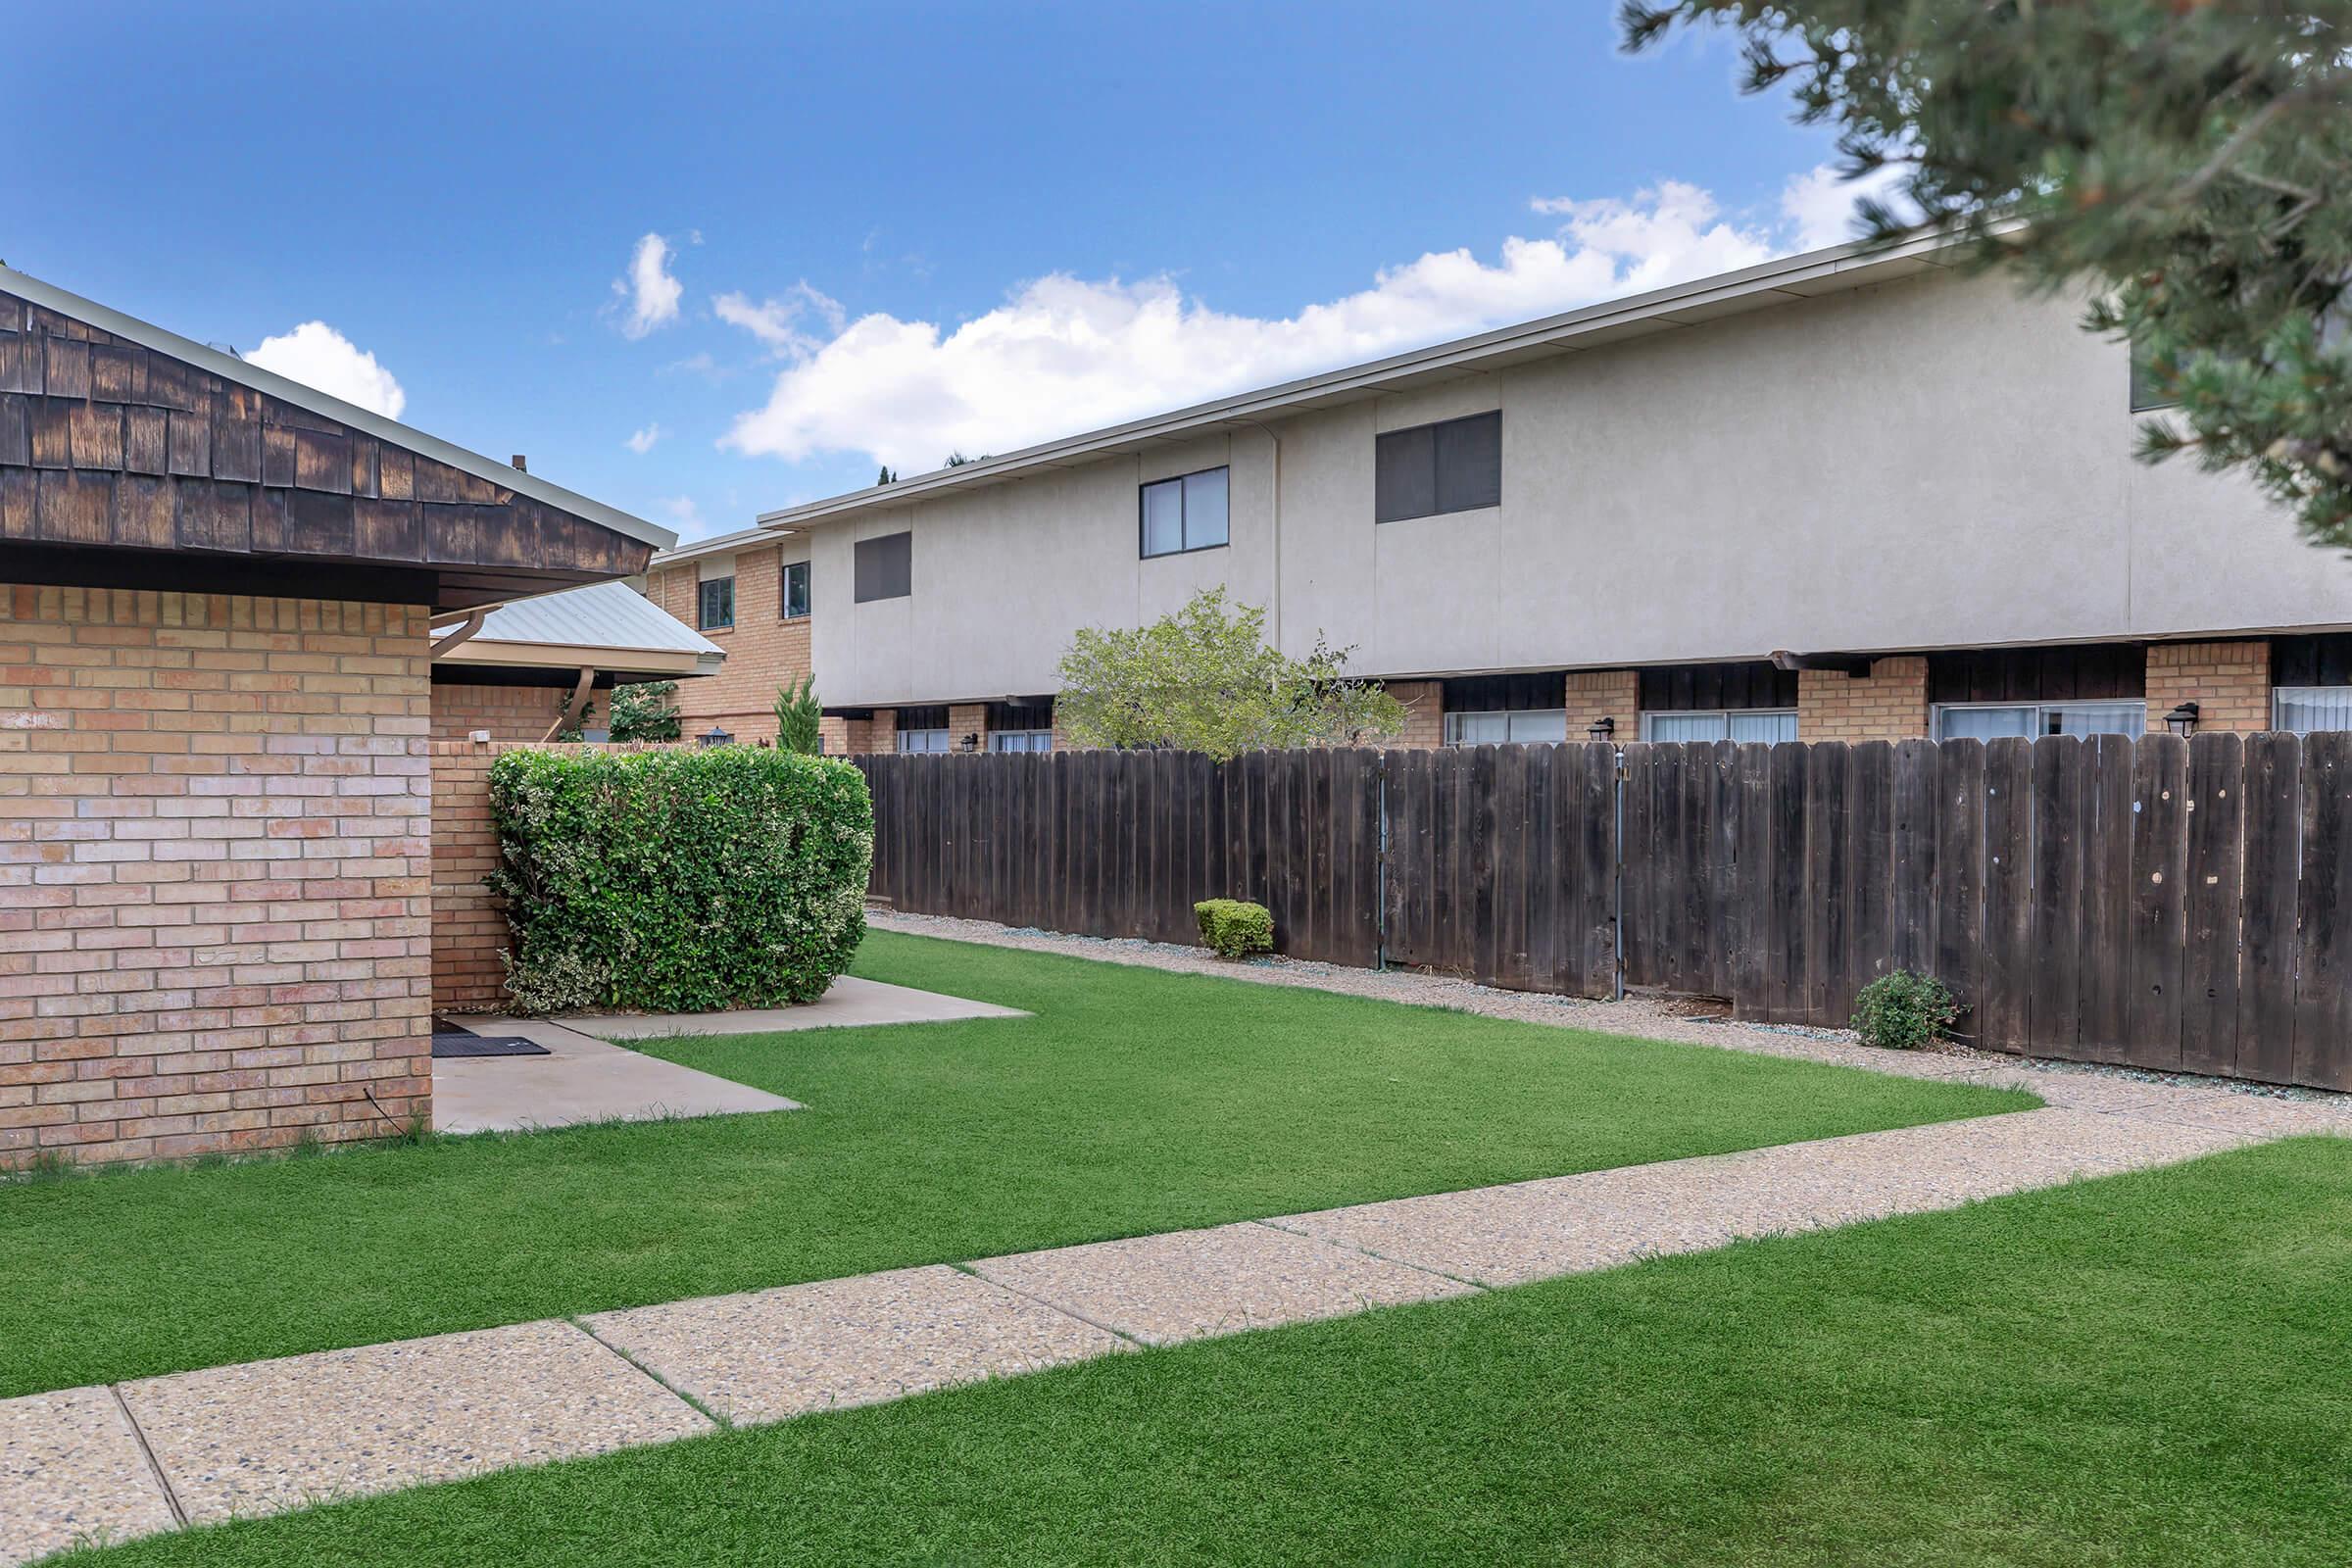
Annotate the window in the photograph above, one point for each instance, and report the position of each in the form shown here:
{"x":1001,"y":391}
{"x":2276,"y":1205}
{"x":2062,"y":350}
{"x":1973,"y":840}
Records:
{"x":1986,"y":721}
{"x":1436,"y":469}
{"x":1757,"y":725}
{"x":1527,"y":726}
{"x":1020,"y":740}
{"x":795,"y":596}
{"x":1184,"y":514}
{"x":715,"y":604}
{"x":924,"y":730}
{"x":884,"y":567}
{"x":2305,"y":709}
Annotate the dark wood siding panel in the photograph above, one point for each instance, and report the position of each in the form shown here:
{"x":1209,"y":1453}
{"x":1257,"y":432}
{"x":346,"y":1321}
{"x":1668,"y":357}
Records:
{"x":237,"y":471}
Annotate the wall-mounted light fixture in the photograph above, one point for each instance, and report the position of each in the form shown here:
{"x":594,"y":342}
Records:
{"x":2182,"y":720}
{"x":1602,"y":728}
{"x":716,"y":737}
{"x":970,"y":742}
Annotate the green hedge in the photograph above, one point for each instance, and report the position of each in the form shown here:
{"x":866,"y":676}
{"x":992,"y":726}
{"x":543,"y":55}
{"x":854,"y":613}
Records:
{"x":1234,"y":927}
{"x":679,"y":881}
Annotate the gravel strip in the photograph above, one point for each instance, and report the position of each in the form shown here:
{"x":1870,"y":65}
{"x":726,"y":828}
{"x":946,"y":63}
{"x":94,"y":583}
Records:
{"x":2085,"y":1085}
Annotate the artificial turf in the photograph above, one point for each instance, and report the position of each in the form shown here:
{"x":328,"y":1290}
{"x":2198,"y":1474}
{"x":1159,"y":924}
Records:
{"x":2146,"y":1369}
{"x":1133,"y":1102}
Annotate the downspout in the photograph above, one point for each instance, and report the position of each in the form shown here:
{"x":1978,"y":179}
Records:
{"x":473,"y":624}
{"x":571,"y":712}
{"x":1274,"y":609}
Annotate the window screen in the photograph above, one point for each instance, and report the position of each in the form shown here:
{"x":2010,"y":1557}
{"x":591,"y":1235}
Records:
{"x":1434,"y":468}
{"x":715,"y":604}
{"x":795,"y":589}
{"x":884,"y":567}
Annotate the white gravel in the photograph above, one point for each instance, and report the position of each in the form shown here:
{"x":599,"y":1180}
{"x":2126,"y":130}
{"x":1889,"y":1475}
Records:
{"x":2057,"y":1081}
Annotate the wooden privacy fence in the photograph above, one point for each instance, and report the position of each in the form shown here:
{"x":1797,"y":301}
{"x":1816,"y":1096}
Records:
{"x":2157,"y":902}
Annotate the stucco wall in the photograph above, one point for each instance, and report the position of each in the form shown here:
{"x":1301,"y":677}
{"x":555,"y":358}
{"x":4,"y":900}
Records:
{"x":1931,"y":462}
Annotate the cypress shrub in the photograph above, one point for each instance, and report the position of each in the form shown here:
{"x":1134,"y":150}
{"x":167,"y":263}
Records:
{"x":678,"y":881}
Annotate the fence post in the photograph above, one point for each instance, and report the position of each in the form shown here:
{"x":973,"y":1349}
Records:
{"x":1380,"y":785}
{"x":1617,"y":877}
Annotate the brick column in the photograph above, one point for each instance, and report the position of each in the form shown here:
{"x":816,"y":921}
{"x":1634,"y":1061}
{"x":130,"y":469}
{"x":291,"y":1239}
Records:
{"x":214,"y":872}
{"x":1593,"y":695}
{"x":879,"y":733}
{"x":967,"y":718}
{"x":1424,"y":714}
{"x":1889,"y":704}
{"x":2230,"y":682}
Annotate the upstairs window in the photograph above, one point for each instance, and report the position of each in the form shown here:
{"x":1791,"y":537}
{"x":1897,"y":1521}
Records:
{"x":715,"y":604}
{"x":884,"y":567}
{"x":1186,"y":514}
{"x":1431,"y":470}
{"x":795,"y":596}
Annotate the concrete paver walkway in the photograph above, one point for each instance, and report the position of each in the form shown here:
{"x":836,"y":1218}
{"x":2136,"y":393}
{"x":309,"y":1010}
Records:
{"x":113,"y":1463}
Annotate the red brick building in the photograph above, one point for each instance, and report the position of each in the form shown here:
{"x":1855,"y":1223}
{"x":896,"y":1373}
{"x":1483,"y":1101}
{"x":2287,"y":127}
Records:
{"x":216,"y":588}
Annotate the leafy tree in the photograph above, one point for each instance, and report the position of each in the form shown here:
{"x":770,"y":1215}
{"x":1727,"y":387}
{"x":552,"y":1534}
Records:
{"x":645,"y":710}
{"x":798,"y":717}
{"x":1205,"y":680}
{"x":2191,"y":161}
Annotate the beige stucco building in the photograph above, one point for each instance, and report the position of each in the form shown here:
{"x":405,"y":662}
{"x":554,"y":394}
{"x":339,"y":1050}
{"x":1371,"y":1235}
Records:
{"x":1833,"y":496}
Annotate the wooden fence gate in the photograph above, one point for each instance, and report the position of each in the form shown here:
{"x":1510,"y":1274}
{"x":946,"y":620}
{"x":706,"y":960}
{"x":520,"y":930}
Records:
{"x":2157,"y":902}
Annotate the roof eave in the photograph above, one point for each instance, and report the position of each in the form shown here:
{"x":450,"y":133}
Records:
{"x":229,"y":366}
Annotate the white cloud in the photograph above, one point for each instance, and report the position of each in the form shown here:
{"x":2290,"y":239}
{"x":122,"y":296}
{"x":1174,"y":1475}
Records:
{"x":1064,"y":354}
{"x":777,"y":323}
{"x":1818,"y":205}
{"x":641,"y":442}
{"x":318,"y":356}
{"x":648,"y":295}
{"x":685,"y":517}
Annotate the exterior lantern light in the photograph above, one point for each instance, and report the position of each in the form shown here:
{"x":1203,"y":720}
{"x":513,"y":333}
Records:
{"x":970,"y":742}
{"x":716,"y":737}
{"x":2182,"y":720}
{"x":1602,"y":728}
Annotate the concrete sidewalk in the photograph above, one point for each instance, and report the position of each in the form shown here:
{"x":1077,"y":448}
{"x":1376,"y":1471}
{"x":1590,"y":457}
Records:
{"x":137,"y":1457}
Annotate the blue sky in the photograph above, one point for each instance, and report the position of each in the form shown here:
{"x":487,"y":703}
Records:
{"x":876,"y":232}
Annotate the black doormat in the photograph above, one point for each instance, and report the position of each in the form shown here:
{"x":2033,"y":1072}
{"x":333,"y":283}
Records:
{"x":462,"y":1044}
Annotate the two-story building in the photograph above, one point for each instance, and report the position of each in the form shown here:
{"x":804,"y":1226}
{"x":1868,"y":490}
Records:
{"x":1835,"y":495}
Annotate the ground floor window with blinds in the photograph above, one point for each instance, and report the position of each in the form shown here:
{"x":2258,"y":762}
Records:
{"x":924,"y":730}
{"x":2308,"y":709}
{"x":1764,"y":726}
{"x":1020,"y":740}
{"x":1536,"y":726}
{"x":1986,"y":721}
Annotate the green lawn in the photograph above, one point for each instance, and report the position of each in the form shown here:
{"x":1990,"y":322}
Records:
{"x":2145,"y":1370}
{"x":1133,"y":1102}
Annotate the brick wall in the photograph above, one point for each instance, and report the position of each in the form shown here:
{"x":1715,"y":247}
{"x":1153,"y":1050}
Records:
{"x":879,"y":733}
{"x":212,"y":846}
{"x":469,"y":927}
{"x":968,"y":718}
{"x":1424,"y":714}
{"x":2230,"y":682}
{"x":1593,"y":695}
{"x":765,"y":651}
{"x":1889,"y":704}
{"x":508,"y":713}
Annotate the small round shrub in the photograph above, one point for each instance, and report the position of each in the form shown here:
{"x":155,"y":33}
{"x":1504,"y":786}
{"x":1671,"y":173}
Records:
{"x":1235,"y":929}
{"x":1904,"y":1011}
